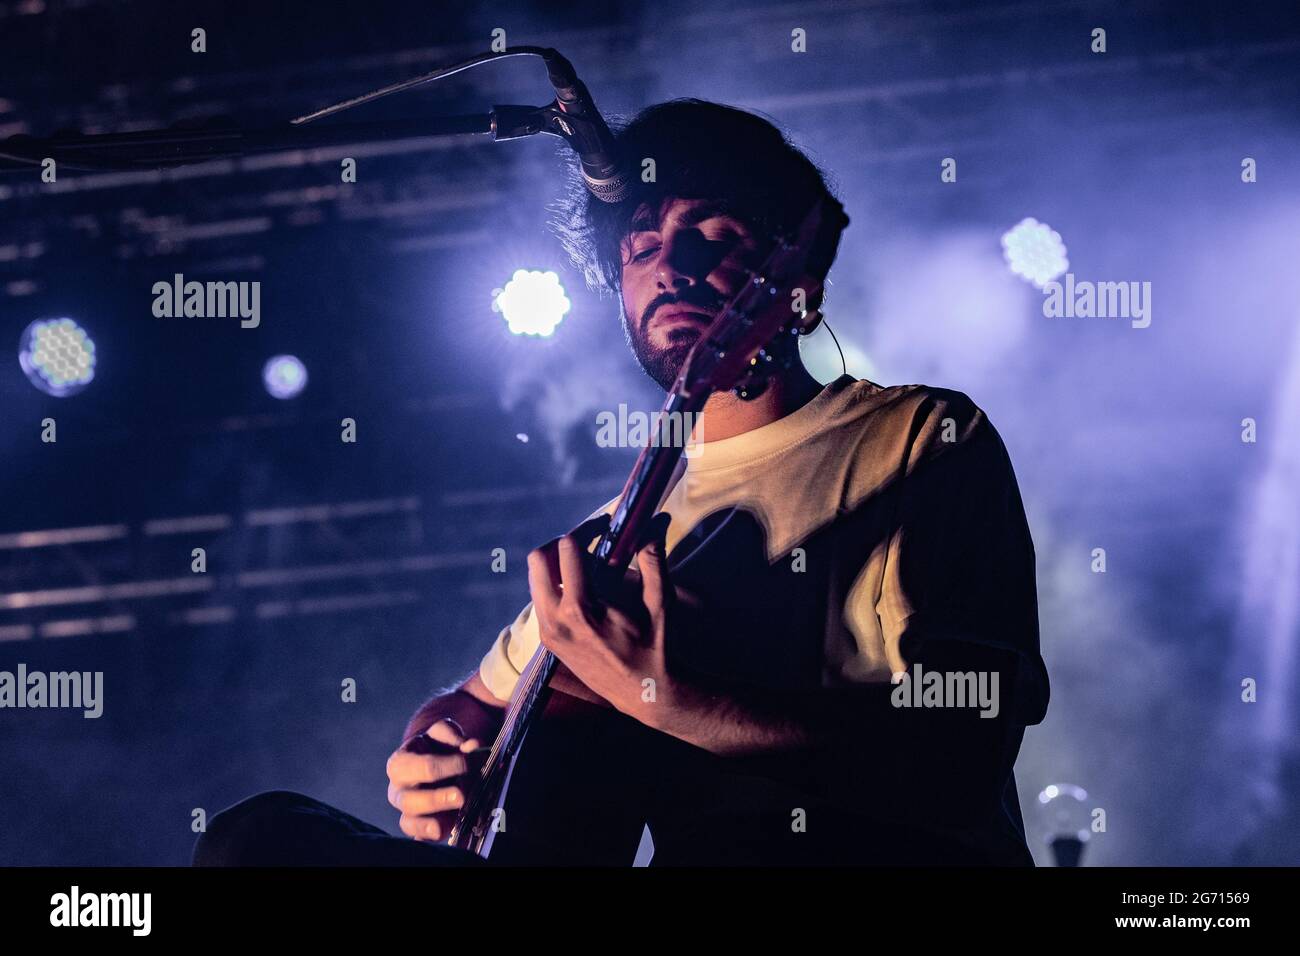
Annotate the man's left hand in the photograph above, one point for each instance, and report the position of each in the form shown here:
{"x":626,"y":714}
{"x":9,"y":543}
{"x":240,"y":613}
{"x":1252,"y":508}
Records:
{"x":613,"y":645}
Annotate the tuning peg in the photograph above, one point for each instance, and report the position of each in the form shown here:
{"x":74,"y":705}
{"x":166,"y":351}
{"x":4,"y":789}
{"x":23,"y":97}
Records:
{"x":809,"y":320}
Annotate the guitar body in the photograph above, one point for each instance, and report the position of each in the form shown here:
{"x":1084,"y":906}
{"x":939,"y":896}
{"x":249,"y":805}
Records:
{"x":578,"y":791}
{"x":591,"y":779}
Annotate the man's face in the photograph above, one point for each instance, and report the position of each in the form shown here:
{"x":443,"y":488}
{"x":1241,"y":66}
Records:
{"x":681,"y":265}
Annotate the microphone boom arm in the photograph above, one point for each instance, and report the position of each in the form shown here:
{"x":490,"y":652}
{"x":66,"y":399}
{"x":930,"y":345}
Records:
{"x":152,"y":149}
{"x":179,"y":146}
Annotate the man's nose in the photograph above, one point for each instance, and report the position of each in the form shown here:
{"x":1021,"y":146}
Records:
{"x":685,"y":260}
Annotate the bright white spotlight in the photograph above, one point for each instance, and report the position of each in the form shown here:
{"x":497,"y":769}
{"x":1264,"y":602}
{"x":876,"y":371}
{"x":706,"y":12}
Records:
{"x":533,"y":303}
{"x":57,"y":356}
{"x":1034,"y":251}
{"x":284,"y":376}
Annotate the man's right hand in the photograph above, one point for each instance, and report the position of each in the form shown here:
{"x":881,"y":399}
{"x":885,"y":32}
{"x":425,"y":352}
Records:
{"x":428,"y":777}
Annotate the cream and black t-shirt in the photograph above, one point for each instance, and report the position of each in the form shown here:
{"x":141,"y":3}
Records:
{"x":832,"y":545}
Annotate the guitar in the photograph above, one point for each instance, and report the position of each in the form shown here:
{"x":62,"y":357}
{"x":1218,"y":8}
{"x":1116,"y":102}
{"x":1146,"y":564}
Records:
{"x":735,"y":353}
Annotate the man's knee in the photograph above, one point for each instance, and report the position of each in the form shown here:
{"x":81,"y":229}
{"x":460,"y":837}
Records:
{"x":244,"y":834}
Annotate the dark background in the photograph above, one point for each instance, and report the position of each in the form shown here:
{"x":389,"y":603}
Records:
{"x":372,"y":560}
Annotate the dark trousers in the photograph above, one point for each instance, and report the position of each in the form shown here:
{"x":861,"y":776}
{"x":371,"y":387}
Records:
{"x":283,"y":828}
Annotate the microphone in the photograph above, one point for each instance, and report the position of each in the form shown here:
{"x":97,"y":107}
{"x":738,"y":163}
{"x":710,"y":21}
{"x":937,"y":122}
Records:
{"x":586,"y":131}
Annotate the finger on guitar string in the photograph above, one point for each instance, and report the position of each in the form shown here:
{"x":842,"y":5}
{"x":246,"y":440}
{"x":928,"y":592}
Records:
{"x":573,"y":571}
{"x":446,"y":731}
{"x":544,"y":582}
{"x":657,"y":592}
{"x":411,"y":769}
{"x":544,"y":573}
{"x":418,"y":803}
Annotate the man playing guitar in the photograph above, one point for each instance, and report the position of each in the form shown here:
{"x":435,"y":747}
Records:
{"x":765,"y":682}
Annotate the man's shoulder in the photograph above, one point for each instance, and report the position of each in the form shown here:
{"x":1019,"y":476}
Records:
{"x":880,"y":434}
{"x":907,"y":418}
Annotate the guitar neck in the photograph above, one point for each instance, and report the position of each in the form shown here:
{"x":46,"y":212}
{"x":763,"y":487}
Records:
{"x":642,"y":495}
{"x":637,"y":505}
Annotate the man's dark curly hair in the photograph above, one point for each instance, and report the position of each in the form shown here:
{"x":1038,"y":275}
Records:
{"x":701,"y":150}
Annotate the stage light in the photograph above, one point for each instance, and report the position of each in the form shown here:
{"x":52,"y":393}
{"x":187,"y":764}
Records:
{"x":284,"y":376}
{"x":57,"y":356}
{"x":1066,"y":819}
{"x":533,"y":303}
{"x":1034,"y":251}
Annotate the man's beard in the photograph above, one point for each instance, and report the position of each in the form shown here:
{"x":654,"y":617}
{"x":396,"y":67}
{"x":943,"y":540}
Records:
{"x":662,"y":364}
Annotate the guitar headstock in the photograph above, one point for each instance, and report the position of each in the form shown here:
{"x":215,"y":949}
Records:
{"x":735,"y":353}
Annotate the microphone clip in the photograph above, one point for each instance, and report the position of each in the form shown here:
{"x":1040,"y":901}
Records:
{"x":587,"y":136}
